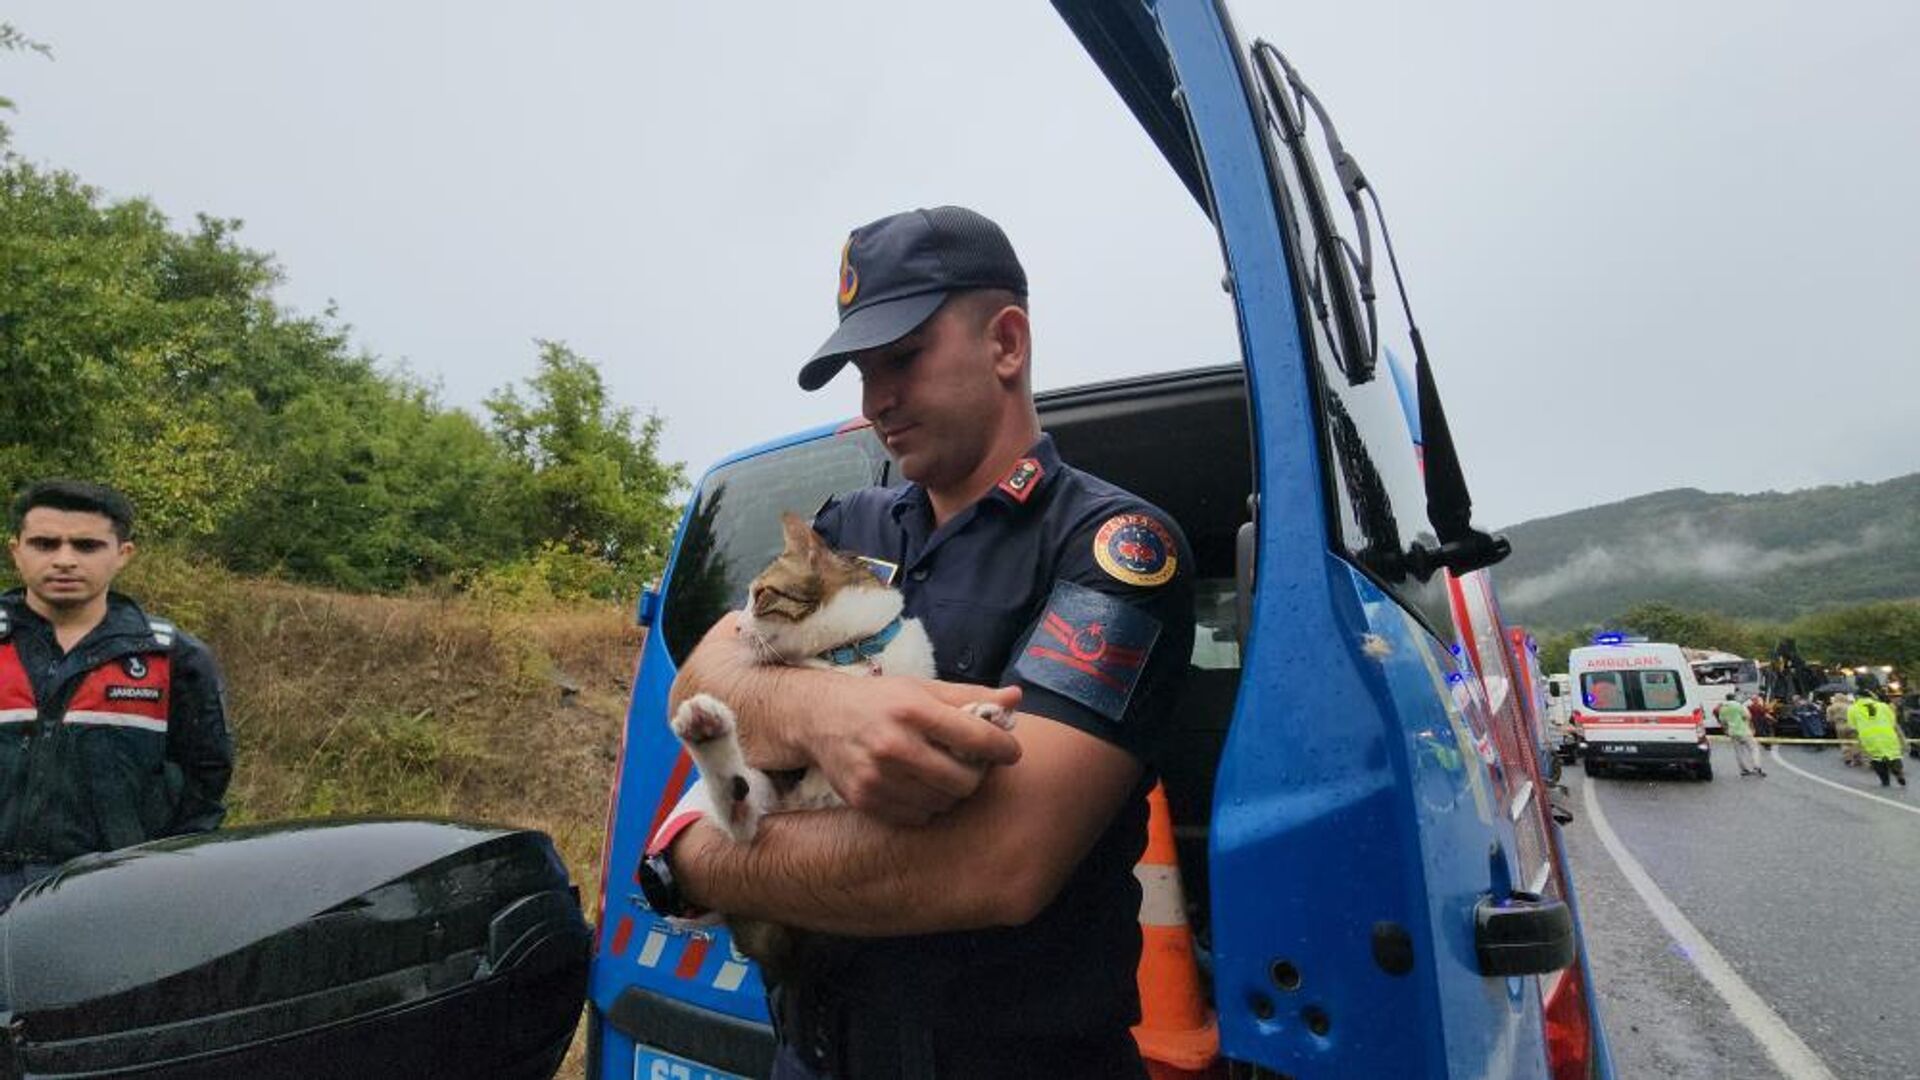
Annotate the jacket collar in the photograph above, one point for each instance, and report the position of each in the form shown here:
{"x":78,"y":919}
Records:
{"x":123,"y":619}
{"x":1021,"y":487}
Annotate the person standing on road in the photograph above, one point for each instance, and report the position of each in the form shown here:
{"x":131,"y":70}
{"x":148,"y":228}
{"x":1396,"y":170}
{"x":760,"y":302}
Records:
{"x":1762,"y":716}
{"x":1837,"y":723}
{"x":1880,"y":737}
{"x":967,"y":921}
{"x":1837,"y":714}
{"x":1733,"y":716}
{"x":113,"y":728}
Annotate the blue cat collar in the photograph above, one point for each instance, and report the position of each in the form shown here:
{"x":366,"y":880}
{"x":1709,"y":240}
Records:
{"x":864,"y":649}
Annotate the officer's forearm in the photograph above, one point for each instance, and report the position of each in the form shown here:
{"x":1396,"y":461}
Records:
{"x":840,"y":872}
{"x":772,"y":702}
{"x":996,"y":859}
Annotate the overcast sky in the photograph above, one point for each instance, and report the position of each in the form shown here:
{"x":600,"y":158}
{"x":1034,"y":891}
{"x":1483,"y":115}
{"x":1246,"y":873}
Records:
{"x":1699,"y":218}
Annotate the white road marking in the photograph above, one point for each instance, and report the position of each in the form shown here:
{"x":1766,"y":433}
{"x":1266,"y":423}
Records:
{"x":1842,"y":787}
{"x":1790,"y":1055}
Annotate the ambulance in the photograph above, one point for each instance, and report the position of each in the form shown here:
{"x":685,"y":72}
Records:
{"x":1636,"y":704}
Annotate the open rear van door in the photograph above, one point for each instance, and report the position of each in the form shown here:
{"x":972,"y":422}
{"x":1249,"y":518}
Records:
{"x":1369,"y":913}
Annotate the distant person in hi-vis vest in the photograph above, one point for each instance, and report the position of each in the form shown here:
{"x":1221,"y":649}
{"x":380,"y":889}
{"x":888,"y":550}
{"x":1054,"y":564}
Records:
{"x":113,"y":723}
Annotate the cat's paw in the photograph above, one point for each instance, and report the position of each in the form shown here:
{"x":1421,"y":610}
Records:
{"x":701,"y":719}
{"x":993,"y":714}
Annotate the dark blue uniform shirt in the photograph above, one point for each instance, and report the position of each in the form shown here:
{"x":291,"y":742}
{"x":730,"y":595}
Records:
{"x":1082,"y":594}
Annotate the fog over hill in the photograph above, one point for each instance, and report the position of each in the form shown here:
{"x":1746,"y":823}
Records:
{"x":1774,"y":555}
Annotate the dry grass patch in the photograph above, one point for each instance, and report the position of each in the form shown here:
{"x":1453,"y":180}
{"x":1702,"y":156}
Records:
{"x":347,"y":705}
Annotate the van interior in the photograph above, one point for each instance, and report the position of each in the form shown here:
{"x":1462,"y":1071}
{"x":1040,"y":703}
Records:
{"x":1182,"y":442}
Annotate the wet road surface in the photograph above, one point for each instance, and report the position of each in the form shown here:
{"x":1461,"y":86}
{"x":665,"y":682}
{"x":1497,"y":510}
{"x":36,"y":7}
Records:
{"x":1812,"y":896}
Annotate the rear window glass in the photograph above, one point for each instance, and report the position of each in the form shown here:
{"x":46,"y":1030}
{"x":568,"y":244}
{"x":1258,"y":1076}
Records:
{"x":1626,"y":691}
{"x":1660,"y":689}
{"x":734,"y":531}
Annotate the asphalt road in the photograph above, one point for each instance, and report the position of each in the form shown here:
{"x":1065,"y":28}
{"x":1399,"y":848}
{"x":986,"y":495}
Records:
{"x":1812,"y":896}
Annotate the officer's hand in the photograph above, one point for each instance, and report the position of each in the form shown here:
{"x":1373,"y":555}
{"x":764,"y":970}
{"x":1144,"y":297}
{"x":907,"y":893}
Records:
{"x":904,"y":750}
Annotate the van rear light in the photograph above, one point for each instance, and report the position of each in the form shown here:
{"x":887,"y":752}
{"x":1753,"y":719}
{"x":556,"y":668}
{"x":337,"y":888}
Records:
{"x":1569,"y":1028}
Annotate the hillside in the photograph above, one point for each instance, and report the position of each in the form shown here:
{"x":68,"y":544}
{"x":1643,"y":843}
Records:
{"x":1774,"y":555}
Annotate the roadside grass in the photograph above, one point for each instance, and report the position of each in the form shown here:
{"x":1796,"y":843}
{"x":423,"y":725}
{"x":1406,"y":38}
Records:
{"x":442,"y":705}
{"x":350,"y":705}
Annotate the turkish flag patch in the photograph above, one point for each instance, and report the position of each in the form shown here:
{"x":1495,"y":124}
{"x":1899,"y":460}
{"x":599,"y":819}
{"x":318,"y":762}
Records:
{"x":1089,"y":647}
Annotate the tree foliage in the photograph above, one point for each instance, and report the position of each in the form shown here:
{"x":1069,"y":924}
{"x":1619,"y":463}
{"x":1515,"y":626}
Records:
{"x":598,"y":486}
{"x":156,"y":360}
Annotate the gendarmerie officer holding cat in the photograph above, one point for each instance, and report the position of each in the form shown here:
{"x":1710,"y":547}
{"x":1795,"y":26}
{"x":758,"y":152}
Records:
{"x":973,"y":910}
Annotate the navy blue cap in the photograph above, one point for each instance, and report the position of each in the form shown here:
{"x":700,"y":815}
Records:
{"x":896,"y":272}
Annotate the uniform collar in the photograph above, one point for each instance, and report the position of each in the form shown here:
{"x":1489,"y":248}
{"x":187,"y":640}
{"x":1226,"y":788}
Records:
{"x":123,"y":617}
{"x":1034,"y":472}
{"x":1029,"y":476}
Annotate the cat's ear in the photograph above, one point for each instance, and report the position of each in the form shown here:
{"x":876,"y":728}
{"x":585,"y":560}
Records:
{"x":799,"y":535}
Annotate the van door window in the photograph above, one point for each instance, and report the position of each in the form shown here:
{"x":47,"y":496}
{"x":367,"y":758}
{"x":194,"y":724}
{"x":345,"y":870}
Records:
{"x":1661,"y":689}
{"x":734,"y":531}
{"x":1380,"y":497}
{"x":1604,"y":691}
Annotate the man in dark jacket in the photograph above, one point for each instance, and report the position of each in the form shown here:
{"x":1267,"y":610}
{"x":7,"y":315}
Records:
{"x":112,"y":723}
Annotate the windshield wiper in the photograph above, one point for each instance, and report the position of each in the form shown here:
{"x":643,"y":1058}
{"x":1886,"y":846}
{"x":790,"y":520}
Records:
{"x":1462,"y":547}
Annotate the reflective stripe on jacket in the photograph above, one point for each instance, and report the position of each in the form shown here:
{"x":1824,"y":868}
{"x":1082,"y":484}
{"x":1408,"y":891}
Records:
{"x":1873,"y":723}
{"x":121,"y":740}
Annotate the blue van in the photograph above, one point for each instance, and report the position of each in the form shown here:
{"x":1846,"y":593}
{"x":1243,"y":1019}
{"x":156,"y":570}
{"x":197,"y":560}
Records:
{"x":1358,"y":889}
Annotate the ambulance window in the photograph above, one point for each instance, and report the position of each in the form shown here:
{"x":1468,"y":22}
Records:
{"x":1660,"y":689}
{"x":734,"y":531}
{"x":1604,"y":691}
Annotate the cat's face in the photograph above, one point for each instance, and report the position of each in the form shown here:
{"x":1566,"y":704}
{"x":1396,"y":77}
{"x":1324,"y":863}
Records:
{"x":805,"y":578}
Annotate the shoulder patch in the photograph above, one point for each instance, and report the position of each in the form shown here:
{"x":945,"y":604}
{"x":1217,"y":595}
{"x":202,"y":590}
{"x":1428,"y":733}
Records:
{"x":1136,"y":549}
{"x":1089,"y":647}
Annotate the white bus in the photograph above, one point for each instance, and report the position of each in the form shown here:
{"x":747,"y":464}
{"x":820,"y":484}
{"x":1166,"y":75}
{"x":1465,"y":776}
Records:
{"x":1721,"y":676}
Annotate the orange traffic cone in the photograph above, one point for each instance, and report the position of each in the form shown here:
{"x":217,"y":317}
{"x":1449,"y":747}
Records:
{"x":1178,"y":1035}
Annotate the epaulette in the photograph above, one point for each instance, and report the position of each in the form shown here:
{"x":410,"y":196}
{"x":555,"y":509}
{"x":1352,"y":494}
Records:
{"x":163,"y":631}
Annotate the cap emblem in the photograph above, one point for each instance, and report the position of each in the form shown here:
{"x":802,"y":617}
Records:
{"x":849,"y":278}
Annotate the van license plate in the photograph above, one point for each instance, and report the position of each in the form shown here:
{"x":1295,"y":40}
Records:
{"x":1619,"y":748}
{"x":650,"y":1064}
